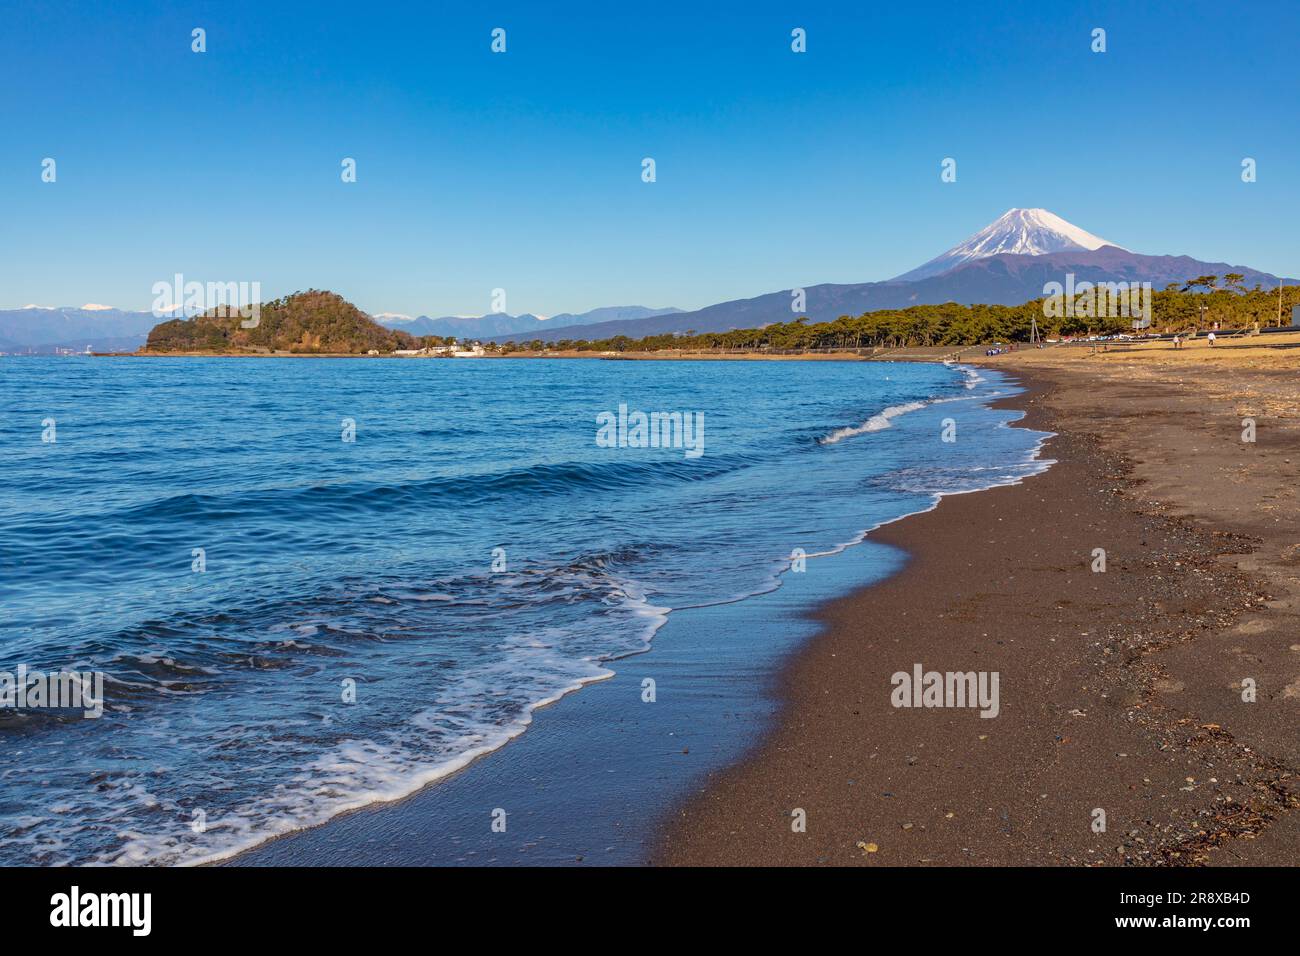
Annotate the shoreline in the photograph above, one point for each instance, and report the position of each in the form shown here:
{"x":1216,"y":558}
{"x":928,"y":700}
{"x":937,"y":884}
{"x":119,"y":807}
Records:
{"x":605,"y":356}
{"x":1112,"y":696}
{"x":699,"y":699}
{"x":1273,"y":341}
{"x":918,"y":354}
{"x":1112,"y":699}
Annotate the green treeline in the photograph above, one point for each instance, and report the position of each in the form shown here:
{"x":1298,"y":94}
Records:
{"x":323,"y":322}
{"x":1198,"y":303}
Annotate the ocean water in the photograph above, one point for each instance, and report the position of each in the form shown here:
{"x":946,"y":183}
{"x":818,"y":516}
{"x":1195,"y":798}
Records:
{"x":374,"y":614}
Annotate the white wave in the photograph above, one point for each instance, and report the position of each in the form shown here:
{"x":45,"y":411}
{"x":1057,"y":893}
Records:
{"x":360,"y":771}
{"x":355,"y":774}
{"x":873,"y":424}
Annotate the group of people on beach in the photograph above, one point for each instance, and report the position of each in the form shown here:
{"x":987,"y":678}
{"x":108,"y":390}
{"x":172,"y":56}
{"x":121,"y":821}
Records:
{"x":1178,"y":339}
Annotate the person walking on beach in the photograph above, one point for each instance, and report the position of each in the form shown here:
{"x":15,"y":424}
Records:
{"x":1178,"y":341}
{"x":1211,"y":338}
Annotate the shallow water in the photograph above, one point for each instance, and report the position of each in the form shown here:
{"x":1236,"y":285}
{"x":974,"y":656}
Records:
{"x":375,"y":561}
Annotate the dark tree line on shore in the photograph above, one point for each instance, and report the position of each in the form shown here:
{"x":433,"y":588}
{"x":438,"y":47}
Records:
{"x":323,"y":322}
{"x":1198,"y":303}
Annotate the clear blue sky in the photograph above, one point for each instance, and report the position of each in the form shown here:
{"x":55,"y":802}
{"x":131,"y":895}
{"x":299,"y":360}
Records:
{"x":523,"y":170}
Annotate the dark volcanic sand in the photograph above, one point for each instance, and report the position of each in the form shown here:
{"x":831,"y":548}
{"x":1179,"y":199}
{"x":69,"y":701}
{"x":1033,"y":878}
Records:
{"x":1118,"y":690}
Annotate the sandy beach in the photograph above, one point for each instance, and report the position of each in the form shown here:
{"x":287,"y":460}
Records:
{"x":1121,"y":690}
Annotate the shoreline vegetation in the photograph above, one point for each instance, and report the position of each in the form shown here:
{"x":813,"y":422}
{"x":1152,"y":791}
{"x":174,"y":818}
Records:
{"x":322,"y":324}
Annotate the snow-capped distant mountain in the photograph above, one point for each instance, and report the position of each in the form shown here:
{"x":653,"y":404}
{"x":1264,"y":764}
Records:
{"x":462,"y":326}
{"x":1007,"y":263}
{"x":500,"y":323}
{"x":1019,"y":232}
{"x":43,"y":329}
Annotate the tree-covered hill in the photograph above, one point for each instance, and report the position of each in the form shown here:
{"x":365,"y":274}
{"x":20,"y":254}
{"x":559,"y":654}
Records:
{"x":311,"y":322}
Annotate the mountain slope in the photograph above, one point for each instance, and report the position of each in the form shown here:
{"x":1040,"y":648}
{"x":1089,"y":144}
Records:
{"x":464,"y":326}
{"x":1001,"y":279}
{"x":41,"y":329}
{"x":1025,"y":232}
{"x":500,"y":323}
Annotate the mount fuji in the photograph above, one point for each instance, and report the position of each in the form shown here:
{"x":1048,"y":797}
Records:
{"x":1008,"y":262}
{"x":1017,"y":232}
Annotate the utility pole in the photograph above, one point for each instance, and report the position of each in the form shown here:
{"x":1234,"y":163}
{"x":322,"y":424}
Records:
{"x":1279,"y":303}
{"x":1033,"y":328}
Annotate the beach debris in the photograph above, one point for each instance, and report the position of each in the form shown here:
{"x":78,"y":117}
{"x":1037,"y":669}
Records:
{"x":867,"y":847}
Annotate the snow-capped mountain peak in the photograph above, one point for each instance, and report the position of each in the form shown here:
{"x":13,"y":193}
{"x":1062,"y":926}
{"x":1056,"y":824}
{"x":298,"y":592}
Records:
{"x":1023,"y":232}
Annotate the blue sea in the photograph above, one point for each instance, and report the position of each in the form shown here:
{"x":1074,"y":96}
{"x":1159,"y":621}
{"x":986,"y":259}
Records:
{"x":315,"y":585}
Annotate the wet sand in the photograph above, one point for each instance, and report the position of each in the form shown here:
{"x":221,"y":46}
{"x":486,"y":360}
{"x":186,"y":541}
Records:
{"x":1120,"y":691}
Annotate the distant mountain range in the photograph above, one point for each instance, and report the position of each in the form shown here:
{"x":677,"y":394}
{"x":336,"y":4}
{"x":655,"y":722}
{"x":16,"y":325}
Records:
{"x":103,"y":329}
{"x":1008,"y":262}
{"x":43,"y":329}
{"x":524,"y":326}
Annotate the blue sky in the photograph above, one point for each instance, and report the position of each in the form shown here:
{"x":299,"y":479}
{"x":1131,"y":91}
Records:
{"x":523,"y":170}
